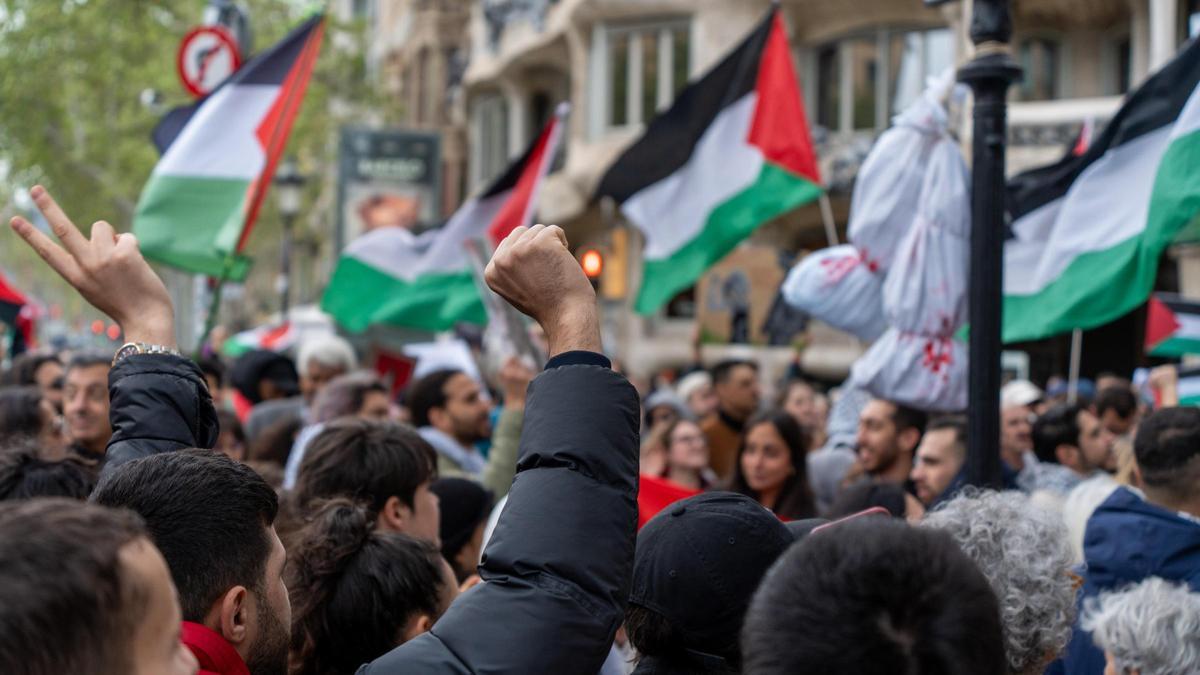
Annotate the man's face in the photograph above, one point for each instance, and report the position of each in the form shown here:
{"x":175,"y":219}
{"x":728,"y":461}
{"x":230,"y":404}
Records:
{"x":1095,"y":444}
{"x":156,"y":648}
{"x":739,"y":394}
{"x":268,"y":644}
{"x":801,"y":404}
{"x":466,"y":415}
{"x":375,"y":407}
{"x":85,"y":402}
{"x":425,"y":520}
{"x":49,"y":380}
{"x":878,"y":438}
{"x":317,"y":376}
{"x":938,"y":461}
{"x":1016,"y":430}
{"x":1115,"y":424}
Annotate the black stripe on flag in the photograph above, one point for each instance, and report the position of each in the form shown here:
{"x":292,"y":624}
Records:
{"x":1155,"y":104}
{"x":269,"y":67}
{"x":670,"y":138}
{"x":1178,"y":304}
{"x":508,"y":179}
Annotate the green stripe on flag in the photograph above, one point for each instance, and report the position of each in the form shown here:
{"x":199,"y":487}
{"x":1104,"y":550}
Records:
{"x":773,"y":193}
{"x":186,"y":222}
{"x":1101,"y":286}
{"x":360,"y":295}
{"x":1176,"y":347}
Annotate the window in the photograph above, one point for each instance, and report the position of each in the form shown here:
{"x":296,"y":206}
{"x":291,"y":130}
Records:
{"x":637,"y":71}
{"x":1040,"y":60}
{"x":489,"y":145}
{"x":863,"y":80}
{"x":919,"y":56}
{"x":1191,"y":10}
{"x":422,"y":104}
{"x":864,"y":69}
{"x":829,"y":94}
{"x":1124,"y":65}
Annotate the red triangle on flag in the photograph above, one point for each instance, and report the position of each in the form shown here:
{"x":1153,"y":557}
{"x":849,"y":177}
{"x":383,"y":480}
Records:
{"x":518,"y":208}
{"x":780,"y":127}
{"x":1161,"y":323}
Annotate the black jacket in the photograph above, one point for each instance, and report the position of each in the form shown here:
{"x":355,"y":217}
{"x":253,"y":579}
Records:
{"x":557,"y":570}
{"x":157,"y":403}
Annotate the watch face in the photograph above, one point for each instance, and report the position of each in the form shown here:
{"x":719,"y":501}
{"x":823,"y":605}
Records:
{"x":127,"y":350}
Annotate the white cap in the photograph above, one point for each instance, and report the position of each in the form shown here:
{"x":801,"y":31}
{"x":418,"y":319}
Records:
{"x":692,"y":383}
{"x":1019,"y":393}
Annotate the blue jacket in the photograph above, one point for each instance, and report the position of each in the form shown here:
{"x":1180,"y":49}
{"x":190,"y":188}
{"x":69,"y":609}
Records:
{"x":1127,"y":540}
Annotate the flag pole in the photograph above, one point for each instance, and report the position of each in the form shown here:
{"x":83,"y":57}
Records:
{"x":1076,"y":354}
{"x":307,"y":55}
{"x":214,"y":305}
{"x":827,"y":218}
{"x":989,"y":75}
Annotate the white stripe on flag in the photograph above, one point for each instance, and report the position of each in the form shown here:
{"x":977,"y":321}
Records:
{"x":396,"y":252}
{"x":220,"y":140}
{"x":1105,"y":206}
{"x":673,"y":211}
{"x":1189,"y":326}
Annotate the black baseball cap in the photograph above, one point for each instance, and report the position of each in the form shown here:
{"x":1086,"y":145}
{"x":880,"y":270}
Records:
{"x":699,"y":561}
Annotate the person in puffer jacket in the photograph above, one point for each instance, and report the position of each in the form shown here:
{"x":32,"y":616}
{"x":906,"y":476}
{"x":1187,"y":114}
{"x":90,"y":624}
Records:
{"x":556,"y":573}
{"x":1129,"y":539}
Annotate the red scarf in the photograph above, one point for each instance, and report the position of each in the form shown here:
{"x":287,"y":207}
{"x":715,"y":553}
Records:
{"x":216,"y":656}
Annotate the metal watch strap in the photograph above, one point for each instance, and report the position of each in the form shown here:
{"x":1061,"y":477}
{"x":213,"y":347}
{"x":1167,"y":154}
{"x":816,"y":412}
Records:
{"x":142,"y":348}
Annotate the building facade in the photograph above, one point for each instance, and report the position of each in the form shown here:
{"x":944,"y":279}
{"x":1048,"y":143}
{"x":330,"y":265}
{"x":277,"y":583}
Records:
{"x":619,"y":62}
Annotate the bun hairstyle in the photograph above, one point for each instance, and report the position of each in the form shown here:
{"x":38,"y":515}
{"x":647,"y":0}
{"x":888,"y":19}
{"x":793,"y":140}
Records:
{"x":355,"y":590}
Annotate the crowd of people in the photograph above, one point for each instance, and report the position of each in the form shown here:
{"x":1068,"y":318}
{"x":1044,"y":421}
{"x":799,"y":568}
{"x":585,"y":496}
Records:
{"x":285,"y":514}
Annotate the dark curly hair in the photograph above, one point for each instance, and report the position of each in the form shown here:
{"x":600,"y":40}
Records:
{"x":354,"y":589}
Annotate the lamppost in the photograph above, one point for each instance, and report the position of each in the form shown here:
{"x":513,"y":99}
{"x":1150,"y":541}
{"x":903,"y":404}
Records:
{"x":288,"y":185}
{"x":989,"y":75}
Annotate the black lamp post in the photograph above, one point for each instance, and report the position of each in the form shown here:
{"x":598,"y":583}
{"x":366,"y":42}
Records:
{"x":288,"y":185}
{"x":989,"y":75}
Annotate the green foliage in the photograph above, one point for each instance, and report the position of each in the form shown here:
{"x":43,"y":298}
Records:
{"x":71,"y":118}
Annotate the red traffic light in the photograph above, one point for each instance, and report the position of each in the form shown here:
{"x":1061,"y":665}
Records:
{"x":592,"y":262}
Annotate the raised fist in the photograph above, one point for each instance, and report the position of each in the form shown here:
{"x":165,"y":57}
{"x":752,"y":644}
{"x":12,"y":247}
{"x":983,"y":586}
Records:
{"x":533,"y":270}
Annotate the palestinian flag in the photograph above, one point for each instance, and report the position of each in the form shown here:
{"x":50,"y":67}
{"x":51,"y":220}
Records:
{"x":390,"y":276}
{"x":1172,"y":326}
{"x":275,"y":338}
{"x":15,"y":312}
{"x":218,"y":157}
{"x":1188,"y":387}
{"x":1088,"y":232}
{"x":732,"y":153}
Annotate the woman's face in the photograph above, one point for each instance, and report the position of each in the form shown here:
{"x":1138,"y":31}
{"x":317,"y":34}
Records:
{"x":687,"y":448}
{"x":767,"y":460}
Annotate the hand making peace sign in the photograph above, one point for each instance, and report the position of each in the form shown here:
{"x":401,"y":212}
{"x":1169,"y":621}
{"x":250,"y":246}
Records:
{"x":108,"y":271}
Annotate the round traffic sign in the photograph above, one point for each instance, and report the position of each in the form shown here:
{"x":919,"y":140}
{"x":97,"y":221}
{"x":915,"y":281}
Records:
{"x":206,"y":57}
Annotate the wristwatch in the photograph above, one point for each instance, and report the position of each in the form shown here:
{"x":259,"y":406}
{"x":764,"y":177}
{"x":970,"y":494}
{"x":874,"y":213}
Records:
{"x":131,"y":348}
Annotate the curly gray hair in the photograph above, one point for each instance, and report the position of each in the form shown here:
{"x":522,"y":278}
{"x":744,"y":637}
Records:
{"x":1025,"y":553}
{"x":1153,"y":626}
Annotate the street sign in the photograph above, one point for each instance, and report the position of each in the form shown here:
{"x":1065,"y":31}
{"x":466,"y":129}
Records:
{"x":206,"y":57}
